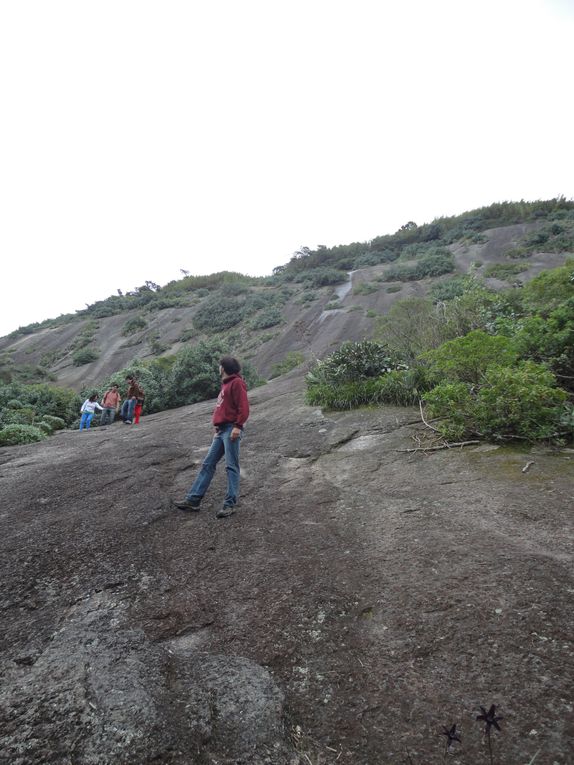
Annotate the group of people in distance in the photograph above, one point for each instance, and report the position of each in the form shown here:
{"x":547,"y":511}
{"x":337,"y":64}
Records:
{"x":130,"y":411}
{"x":228,"y":419}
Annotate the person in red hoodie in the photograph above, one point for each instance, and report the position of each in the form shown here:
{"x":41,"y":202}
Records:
{"x":229,"y":416}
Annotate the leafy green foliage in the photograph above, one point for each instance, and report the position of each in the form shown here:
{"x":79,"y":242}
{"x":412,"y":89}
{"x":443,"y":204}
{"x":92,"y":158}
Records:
{"x":84,"y":356}
{"x":20,"y":416}
{"x":135,"y":324}
{"x":194,"y":375}
{"x":365,"y":288}
{"x":292,"y":359}
{"x":13,"y":435}
{"x":268,"y":317}
{"x":521,"y":401}
{"x":467,"y":358}
{"x":549,"y":289}
{"x":55,"y":423}
{"x":434,"y":263}
{"x":353,"y":362}
{"x":219,"y":313}
{"x":449,"y":289}
{"x":504,"y":270}
{"x":321,"y":277}
{"x":410,"y":327}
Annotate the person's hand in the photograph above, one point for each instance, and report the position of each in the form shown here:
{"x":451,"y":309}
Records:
{"x":235,"y":433}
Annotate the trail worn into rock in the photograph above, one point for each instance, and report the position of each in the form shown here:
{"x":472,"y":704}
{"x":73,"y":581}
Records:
{"x":361,"y":598}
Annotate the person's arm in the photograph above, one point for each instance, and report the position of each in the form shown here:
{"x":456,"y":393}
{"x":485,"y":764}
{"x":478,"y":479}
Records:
{"x":242,"y":407}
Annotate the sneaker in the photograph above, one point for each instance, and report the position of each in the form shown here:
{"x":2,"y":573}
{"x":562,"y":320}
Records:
{"x":127,"y":422}
{"x":225,"y":511}
{"x":188,"y":504}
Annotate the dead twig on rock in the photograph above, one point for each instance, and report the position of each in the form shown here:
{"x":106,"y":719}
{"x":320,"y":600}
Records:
{"x":423,"y":417}
{"x":436,"y":448}
{"x":527,"y":467}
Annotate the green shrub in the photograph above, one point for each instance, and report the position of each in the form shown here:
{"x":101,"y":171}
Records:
{"x":307,"y":297}
{"x":394,"y":288}
{"x":321,"y":277}
{"x":466,"y":359}
{"x":353,"y":362}
{"x":365,"y":288}
{"x":135,"y":324}
{"x":194,"y":375}
{"x":518,"y":253}
{"x":412,"y":326}
{"x":266,"y":318}
{"x":12,"y":435}
{"x":292,"y":359}
{"x":348,"y":395}
{"x":84,"y":356}
{"x":333,"y":305}
{"x":504,"y":270}
{"x":45,"y":427}
{"x":521,"y":401}
{"x":55,"y":423}
{"x":449,"y":289}
{"x":452,"y":401}
{"x":22,"y":416}
{"x":435,"y":263}
{"x":218,"y":313}
{"x":14,"y":403}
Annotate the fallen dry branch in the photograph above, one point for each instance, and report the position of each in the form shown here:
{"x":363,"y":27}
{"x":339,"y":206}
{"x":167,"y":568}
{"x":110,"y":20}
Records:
{"x":423,"y":417}
{"x":436,"y":448}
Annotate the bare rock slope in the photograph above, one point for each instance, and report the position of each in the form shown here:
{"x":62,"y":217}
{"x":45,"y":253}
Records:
{"x":361,"y":599}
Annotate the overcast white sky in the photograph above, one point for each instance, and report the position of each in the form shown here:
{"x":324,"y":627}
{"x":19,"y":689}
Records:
{"x":141,"y":138}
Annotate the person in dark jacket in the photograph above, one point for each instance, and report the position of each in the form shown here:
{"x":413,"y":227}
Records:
{"x":229,"y":416}
{"x":134,"y":394}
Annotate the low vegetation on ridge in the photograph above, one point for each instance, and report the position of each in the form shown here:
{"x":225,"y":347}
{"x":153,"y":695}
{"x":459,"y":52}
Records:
{"x":487,"y":364}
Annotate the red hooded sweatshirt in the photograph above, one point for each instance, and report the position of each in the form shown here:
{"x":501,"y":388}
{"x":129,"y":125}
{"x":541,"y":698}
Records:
{"x":232,"y":404}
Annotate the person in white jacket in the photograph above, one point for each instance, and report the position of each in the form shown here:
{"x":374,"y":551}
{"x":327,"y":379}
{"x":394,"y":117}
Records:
{"x":87,"y":411}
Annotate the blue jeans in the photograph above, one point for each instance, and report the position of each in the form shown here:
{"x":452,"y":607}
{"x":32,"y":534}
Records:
{"x":108,"y":414}
{"x":220,"y":446}
{"x":86,"y":420}
{"x":128,"y":409}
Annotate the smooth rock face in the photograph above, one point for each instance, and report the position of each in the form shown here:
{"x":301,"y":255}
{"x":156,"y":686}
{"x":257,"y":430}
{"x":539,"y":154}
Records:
{"x":360,"y":599}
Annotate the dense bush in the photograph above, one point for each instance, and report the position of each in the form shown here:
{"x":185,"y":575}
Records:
{"x":84,"y":356}
{"x":21,"y":416}
{"x":292,"y":359}
{"x":467,"y":358}
{"x":12,"y":435}
{"x":411,"y":327}
{"x":449,"y":289}
{"x":55,"y":423}
{"x":194,"y":374}
{"x":218,"y":313}
{"x":353,"y":362}
{"x":434,"y":263}
{"x":521,"y":401}
{"x":321,"y":277}
{"x":504,"y":270}
{"x":268,"y":317}
{"x":135,"y":324}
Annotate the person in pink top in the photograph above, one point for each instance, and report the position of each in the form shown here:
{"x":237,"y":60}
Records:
{"x":229,"y":416}
{"x":111,"y":404}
